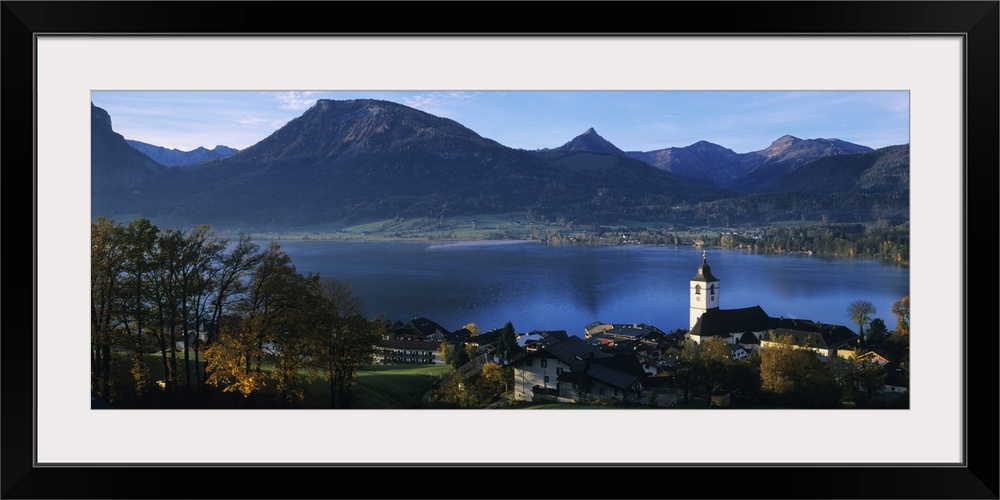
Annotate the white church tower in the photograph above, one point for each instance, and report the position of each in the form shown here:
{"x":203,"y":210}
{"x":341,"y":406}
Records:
{"x":704,"y":291}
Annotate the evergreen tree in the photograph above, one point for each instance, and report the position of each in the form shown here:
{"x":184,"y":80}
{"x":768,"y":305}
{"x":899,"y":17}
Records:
{"x":506,"y":346}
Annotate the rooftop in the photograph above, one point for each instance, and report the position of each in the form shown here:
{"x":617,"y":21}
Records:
{"x":725,"y":322}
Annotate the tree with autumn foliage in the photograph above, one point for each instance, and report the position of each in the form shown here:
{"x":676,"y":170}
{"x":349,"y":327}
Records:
{"x":343,"y":341}
{"x":493,"y":379}
{"x":704,"y":367}
{"x":901,"y":308}
{"x":478,"y":389}
{"x":229,"y":278}
{"x":229,"y":359}
{"x":797,"y":376}
{"x":235,"y":360}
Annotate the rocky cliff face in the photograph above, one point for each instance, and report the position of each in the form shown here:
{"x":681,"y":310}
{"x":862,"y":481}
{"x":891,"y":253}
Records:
{"x":116,"y":168}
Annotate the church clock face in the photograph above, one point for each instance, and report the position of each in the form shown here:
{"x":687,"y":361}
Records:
{"x":697,"y":299}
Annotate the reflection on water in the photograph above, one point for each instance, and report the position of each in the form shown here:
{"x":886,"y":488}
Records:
{"x":540,"y":287}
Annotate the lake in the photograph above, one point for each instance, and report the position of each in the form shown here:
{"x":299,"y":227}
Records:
{"x":542,"y":287}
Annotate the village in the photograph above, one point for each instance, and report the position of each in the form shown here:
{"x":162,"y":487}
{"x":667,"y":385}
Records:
{"x":638,"y":364}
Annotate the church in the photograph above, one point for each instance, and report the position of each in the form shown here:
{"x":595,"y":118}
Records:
{"x":751,"y":327}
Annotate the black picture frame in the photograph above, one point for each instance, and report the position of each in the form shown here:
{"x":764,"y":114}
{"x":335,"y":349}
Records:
{"x":977,"y":22}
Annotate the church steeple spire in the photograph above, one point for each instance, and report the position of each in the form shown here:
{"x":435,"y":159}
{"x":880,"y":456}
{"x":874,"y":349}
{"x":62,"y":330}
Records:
{"x":704,"y":290}
{"x":704,"y":272}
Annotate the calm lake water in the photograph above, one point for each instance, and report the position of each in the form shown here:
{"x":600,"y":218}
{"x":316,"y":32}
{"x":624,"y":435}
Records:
{"x":541,"y":287}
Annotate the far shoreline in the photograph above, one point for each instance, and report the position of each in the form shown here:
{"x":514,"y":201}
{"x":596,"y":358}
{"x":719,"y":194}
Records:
{"x":434,"y":242}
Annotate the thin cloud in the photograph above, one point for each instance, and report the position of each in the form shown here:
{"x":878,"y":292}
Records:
{"x":296,"y":101}
{"x":255,"y":121}
{"x":440,"y":103}
{"x":438,"y":98}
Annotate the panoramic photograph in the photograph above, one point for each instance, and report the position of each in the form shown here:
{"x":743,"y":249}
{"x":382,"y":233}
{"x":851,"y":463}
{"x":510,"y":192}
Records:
{"x":390,"y":250}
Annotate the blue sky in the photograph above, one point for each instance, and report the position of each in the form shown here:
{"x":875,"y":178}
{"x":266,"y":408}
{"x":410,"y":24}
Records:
{"x":632,"y":120}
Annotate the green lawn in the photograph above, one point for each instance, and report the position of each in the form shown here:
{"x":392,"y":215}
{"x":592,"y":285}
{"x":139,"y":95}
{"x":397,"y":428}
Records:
{"x":396,"y":387}
{"x":379,"y":387}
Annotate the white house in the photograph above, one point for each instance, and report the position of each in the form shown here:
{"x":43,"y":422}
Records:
{"x":822,"y":338}
{"x":572,"y":370}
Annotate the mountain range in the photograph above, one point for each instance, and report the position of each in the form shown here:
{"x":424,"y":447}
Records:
{"x":357,"y":160}
{"x":178,"y":158}
{"x":757,"y":171}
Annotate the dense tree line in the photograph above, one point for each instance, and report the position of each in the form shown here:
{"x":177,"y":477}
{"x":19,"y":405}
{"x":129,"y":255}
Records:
{"x":788,"y":376}
{"x":779,"y":374}
{"x":769,"y":208}
{"x":881,"y":240}
{"x":878,"y":241}
{"x":219,"y":314}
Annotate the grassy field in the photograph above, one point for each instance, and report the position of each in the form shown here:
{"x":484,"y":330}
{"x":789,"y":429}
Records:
{"x":379,"y":387}
{"x":396,"y":387}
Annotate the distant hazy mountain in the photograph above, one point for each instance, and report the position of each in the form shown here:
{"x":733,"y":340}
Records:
{"x":178,"y":158}
{"x":754,"y":172}
{"x":589,"y":152}
{"x":701,"y":160}
{"x":768,"y":165}
{"x":361,"y":160}
{"x":885,"y":170}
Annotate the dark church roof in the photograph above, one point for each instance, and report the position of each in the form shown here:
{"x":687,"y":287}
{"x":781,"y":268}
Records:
{"x":811,"y":333}
{"x":704,"y":272}
{"x":725,"y":322}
